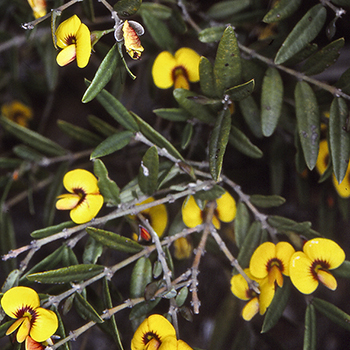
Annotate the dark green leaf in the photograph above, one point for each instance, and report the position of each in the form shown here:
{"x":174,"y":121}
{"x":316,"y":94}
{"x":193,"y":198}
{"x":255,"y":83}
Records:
{"x":243,"y":144}
{"x":141,"y":276}
{"x":173,"y":114}
{"x":157,"y":10}
{"x":11,"y":281}
{"x":227,"y":66}
{"x":74,"y":273}
{"x":206,"y":77}
{"x":343,"y":270}
{"x":85,"y":310}
{"x":267,"y":201}
{"x":281,"y":9}
{"x":209,"y":195}
{"x":225,"y":9}
{"x":127,"y":8}
{"x":187,"y":135}
{"x":101,"y":126}
{"x":209,"y":35}
{"x":9,"y":163}
{"x":103,"y":74}
{"x":271,"y":101}
{"x":240,"y":92}
{"x":92,"y":251}
{"x":218,"y":142}
{"x":342,"y":2}
{"x":339,"y":137}
{"x":114,"y":241}
{"x":32,"y":138}
{"x":308,"y":119}
{"x":143,"y":308}
{"x":181,"y":296}
{"x":51,"y":230}
{"x":61,"y":332}
{"x":241,"y":223}
{"x":148,"y":171}
{"x":303,"y":32}
{"x":28,"y":153}
{"x":310,"y":340}
{"x":112,"y":144}
{"x":4,"y":327}
{"x":251,"y":115}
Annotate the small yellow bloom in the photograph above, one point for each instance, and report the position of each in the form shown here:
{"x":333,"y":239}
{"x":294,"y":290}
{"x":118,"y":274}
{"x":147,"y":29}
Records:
{"x":38,"y":7}
{"x":256,"y":302}
{"x":312,"y":266}
{"x":177,"y":70}
{"x":23,"y":304}
{"x":84,"y":200}
{"x":225,"y":211}
{"x":17,"y":112}
{"x":271,"y":261}
{"x":157,"y":333}
{"x":183,"y":248}
{"x":74,"y":38}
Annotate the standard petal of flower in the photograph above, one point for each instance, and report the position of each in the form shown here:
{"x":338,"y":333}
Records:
{"x":191,"y":213}
{"x":23,"y":330}
{"x":44,"y":326}
{"x":323,"y":157}
{"x":181,"y":345}
{"x":162,"y":70}
{"x":18,"y":297}
{"x":88,"y":209}
{"x":67,"y":55}
{"x":226,"y":207}
{"x":239,"y":287}
{"x":168,"y":343}
{"x":67,"y":201}
{"x":159,"y":218}
{"x":189,"y":59}
{"x":80,"y":179}
{"x":83,"y":46}
{"x":343,"y":188}
{"x":301,"y":274}
{"x":67,"y":30}
{"x":284,"y":251}
{"x":323,"y":249}
{"x":161,"y":325}
{"x":260,"y":259}
{"x":250,"y":309}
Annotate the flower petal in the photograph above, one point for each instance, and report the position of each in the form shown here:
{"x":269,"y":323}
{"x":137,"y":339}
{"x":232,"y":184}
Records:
{"x":87,"y":209}
{"x":189,"y":59}
{"x":181,"y":82}
{"x":67,"y":55}
{"x":259,"y":261}
{"x":323,"y":157}
{"x":162,"y":70}
{"x":44,"y":326}
{"x":83,"y":46}
{"x":284,"y":251}
{"x":343,"y":188}
{"x":323,"y":249}
{"x":267,"y":292}
{"x":191,"y":213}
{"x":67,"y":30}
{"x":183,"y":248}
{"x":181,"y":345}
{"x":169,"y":343}
{"x":18,"y":297}
{"x":80,"y":179}
{"x":250,"y":309}
{"x":326,"y":278}
{"x":300,"y":272}
{"x":239,"y":287}
{"x":33,"y":345}
{"x":158,"y":218}
{"x":23,"y":330}
{"x":67,"y":201}
{"x":14,"y":326}
{"x":226,"y":207}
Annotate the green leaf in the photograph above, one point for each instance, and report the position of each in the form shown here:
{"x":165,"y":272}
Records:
{"x":61,"y":332}
{"x":103,"y":74}
{"x":112,"y":144}
{"x":108,"y":188}
{"x":209,"y":195}
{"x":240,"y":92}
{"x":181,"y":296}
{"x":218,"y":142}
{"x":157,"y":10}
{"x":51,"y":230}
{"x":209,"y":35}
{"x":343,"y":270}
{"x":11,"y":163}
{"x":277,"y":306}
{"x":92,"y":251}
{"x":206,"y":77}
{"x":225,"y":9}
{"x":85,"y":310}
{"x":241,"y":223}
{"x":143,"y":308}
{"x":141,"y":276}
{"x":324,"y":58}
{"x":267,"y":201}
{"x":28,"y":153}
{"x":198,"y":111}
{"x":335,"y":314}
{"x":344,"y":82}
{"x":101,"y":126}
{"x":10,"y":281}
{"x":117,"y":110}
{"x":227,"y":66}
{"x":303,"y":32}
{"x":339,"y":137}
{"x":127,"y":8}
{"x":308,"y":120}
{"x":281,"y":9}
{"x":251,"y":115}
{"x":310,"y":340}
{"x":74,"y":273}
{"x":240,"y":141}
{"x":173,"y":114}
{"x":114,"y":241}
{"x":32,"y":138}
{"x":148,"y":171}
{"x":271,"y":101}
{"x":186,"y":135}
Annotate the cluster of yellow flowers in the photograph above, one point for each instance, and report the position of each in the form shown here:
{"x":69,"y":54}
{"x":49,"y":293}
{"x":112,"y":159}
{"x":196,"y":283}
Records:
{"x":270,"y":262}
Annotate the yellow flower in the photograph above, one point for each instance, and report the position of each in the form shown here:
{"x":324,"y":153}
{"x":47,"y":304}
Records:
{"x":256,"y":302}
{"x":38,"y":7}
{"x":183,"y":248}
{"x":74,"y":38}
{"x":312,"y":266}
{"x":225,"y":211}
{"x":84,"y":200}
{"x":17,"y":112}
{"x":23,"y":304}
{"x":129,"y":31}
{"x":177,"y":70}
{"x":31,"y":344}
{"x":271,"y":261}
{"x":157,"y":217}
{"x":157,"y":333}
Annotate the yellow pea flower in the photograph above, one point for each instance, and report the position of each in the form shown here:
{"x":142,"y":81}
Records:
{"x":23,"y":305}
{"x":73,"y":37}
{"x":38,"y":7}
{"x":177,"y":70}
{"x":17,"y":112}
{"x":84,"y":200}
{"x":312,"y":265}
